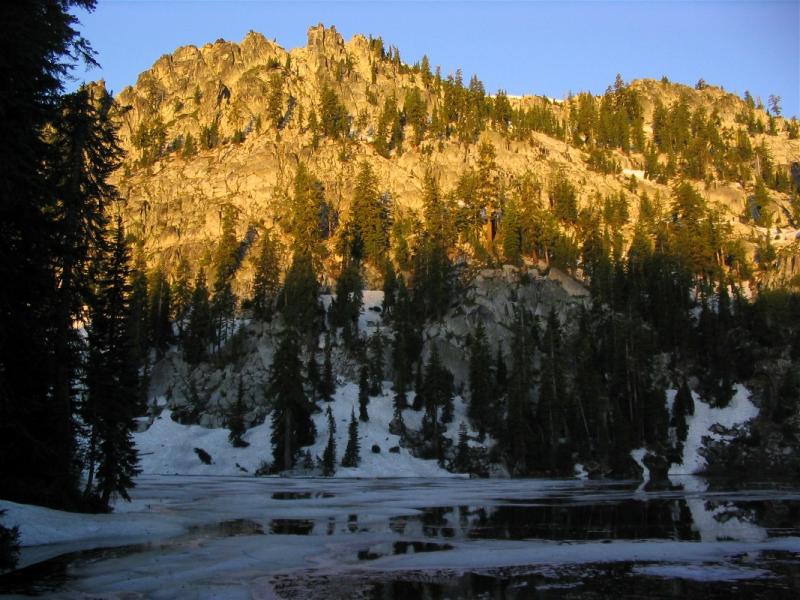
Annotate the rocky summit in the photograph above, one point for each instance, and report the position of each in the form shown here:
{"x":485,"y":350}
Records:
{"x":227,"y":124}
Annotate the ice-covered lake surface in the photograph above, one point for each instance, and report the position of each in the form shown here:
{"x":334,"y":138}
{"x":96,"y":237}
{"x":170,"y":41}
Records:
{"x":227,"y":537}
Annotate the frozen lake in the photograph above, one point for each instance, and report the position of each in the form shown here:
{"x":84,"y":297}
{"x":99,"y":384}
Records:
{"x":215,"y":537}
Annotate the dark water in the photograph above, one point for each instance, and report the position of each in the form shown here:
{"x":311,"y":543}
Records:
{"x":404,"y":539}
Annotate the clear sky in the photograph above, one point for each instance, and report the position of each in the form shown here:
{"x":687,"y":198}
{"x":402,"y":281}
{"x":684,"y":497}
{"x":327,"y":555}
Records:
{"x":539,"y":47}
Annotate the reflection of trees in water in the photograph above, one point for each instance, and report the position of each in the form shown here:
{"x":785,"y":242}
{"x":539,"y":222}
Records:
{"x":666,"y":519}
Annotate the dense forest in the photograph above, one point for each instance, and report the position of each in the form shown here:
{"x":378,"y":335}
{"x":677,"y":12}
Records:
{"x":681,"y":296}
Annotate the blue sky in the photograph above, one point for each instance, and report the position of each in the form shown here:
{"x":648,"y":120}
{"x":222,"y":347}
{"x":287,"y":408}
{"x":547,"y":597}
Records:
{"x":540,"y":47}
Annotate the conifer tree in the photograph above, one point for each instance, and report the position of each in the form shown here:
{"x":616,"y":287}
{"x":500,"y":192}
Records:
{"x":309,"y":221}
{"x":189,"y":147}
{"x":266,"y":278}
{"x":480,"y":382}
{"x":200,"y":329}
{"x":389,"y":290}
{"x":181,"y":295}
{"x":226,"y":262}
{"x":335,"y":122}
{"x":236,"y":425}
{"x":327,"y":385}
{"x":312,"y":373}
{"x":682,"y":407}
{"x":438,"y":397}
{"x":462,"y":462}
{"x":352,"y":453}
{"x":140,"y":318}
{"x":517,"y":436}
{"x":370,"y":218}
{"x":300,"y":295}
{"x":329,"y":455}
{"x":112,"y":378}
{"x":346,"y":307}
{"x":41,"y":45}
{"x":292,"y":426}
{"x":363,"y":393}
{"x":551,"y":411}
{"x":160,"y":326}
{"x":275,"y":100}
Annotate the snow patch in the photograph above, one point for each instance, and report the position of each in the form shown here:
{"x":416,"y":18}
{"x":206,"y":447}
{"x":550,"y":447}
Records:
{"x":38,"y":525}
{"x":638,"y":456}
{"x":167,"y":448}
{"x":739,"y":411}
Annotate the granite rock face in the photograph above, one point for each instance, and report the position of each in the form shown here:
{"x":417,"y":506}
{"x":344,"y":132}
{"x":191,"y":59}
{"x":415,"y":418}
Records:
{"x":174,"y":203}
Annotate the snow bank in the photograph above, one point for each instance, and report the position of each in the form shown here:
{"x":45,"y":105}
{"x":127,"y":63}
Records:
{"x":167,"y":448}
{"x":739,"y":411}
{"x":38,"y":525}
{"x":376,"y":432}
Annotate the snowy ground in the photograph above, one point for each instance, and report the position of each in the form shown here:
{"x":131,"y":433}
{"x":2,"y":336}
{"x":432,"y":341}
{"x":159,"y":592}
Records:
{"x":235,"y":537}
{"x":168,"y":448}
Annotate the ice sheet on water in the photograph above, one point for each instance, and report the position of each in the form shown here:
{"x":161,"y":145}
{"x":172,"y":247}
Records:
{"x":702,"y":572}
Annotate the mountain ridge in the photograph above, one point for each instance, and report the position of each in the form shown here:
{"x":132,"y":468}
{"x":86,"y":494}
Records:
{"x":174,"y":202}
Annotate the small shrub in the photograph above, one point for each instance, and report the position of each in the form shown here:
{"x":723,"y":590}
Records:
{"x":9,"y":547}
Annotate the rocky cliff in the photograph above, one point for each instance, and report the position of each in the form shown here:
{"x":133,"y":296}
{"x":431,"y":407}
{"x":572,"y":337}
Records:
{"x":247,"y":108}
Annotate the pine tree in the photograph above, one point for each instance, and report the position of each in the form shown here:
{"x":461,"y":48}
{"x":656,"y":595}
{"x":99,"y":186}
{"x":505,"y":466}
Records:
{"x":335,"y":122}
{"x":346,"y":307}
{"x":200,"y":329}
{"x":376,"y":363}
{"x":300,"y":295}
{"x":140,"y":315}
{"x":327,"y":385}
{"x":266,"y":278}
{"x":352,"y":453}
{"x":329,"y":455}
{"x":682,"y":407}
{"x":462,"y":462}
{"x":160,"y":312}
{"x":112,"y":378}
{"x":236,"y":425}
{"x":312,"y":373}
{"x":189,"y":147}
{"x":363,"y":393}
{"x":292,"y":426}
{"x":389,"y":291}
{"x":370,"y":218}
{"x":309,"y":221}
{"x":480,"y":382}
{"x":517,"y":436}
{"x":275,"y":100}
{"x":181,"y":295}
{"x":438,"y":397}
{"x":226,"y":262}
{"x":41,"y":45}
